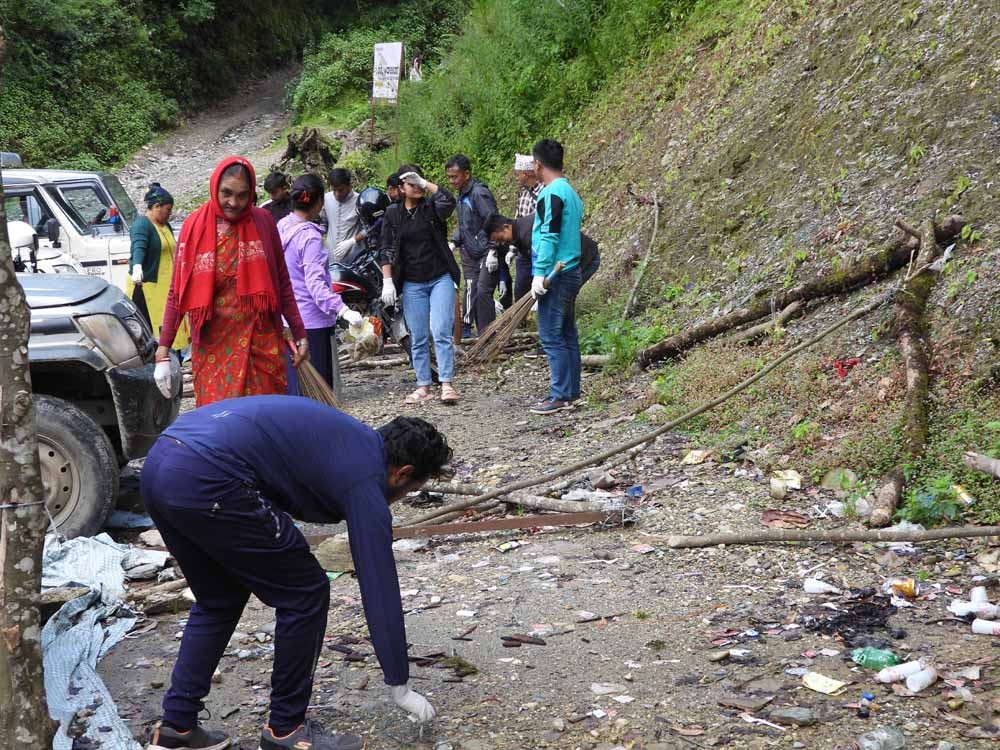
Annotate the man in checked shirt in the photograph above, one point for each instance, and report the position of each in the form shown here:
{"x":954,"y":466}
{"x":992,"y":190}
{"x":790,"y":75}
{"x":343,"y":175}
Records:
{"x":530,"y":187}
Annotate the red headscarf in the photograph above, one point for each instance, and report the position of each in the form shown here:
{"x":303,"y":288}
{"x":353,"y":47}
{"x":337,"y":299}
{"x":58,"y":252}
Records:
{"x":196,"y":250}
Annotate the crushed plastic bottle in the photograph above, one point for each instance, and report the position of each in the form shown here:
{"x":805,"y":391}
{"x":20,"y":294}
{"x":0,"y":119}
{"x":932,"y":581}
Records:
{"x":922,"y":679}
{"x":899,"y":672}
{"x":816,"y":586}
{"x":984,"y":610}
{"x":874,"y":658}
{"x":883,"y":738}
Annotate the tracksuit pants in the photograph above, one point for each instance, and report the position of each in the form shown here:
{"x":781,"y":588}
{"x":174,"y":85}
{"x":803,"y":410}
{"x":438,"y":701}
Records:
{"x":558,"y":335}
{"x":230,"y":541}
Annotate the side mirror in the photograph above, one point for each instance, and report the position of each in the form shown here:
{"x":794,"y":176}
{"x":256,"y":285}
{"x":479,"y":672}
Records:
{"x":52,"y":231}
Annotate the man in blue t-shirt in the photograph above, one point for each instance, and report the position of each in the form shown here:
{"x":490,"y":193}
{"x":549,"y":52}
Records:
{"x":223,"y":484}
{"x":555,"y":238}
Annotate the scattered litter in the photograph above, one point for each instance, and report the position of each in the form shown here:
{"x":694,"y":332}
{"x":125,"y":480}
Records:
{"x":816,"y":586}
{"x":623,"y":698}
{"x":839,"y":480}
{"x":791,"y":478}
{"x":696,"y":457}
{"x":410,"y":545}
{"x":634,"y":491}
{"x":151,"y":538}
{"x":754,"y":720}
{"x":907,"y":588}
{"x":985,"y":627}
{"x":784,"y":519}
{"x":874,"y":658}
{"x":466,"y":613}
{"x":823,"y":684}
{"x":883,"y":738}
{"x":508,"y":546}
{"x":899,"y":672}
{"x":606,"y":688}
{"x":982,"y":610}
{"x":643,"y":549}
{"x":922,"y":679}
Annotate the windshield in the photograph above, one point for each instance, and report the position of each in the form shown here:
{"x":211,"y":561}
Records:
{"x":125,"y":204}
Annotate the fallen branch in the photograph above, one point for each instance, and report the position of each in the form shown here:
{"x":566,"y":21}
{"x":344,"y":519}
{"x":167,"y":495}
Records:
{"x":536,"y":502}
{"x":453,"y":488}
{"x":377,"y":364}
{"x":651,"y":436}
{"x":985,"y":464}
{"x":517,"y":522}
{"x":595,"y":361}
{"x":876,"y":266}
{"x":769,"y":536}
{"x":151,"y":591}
{"x":764,"y":329}
{"x":910,"y":304}
{"x":645,"y":261}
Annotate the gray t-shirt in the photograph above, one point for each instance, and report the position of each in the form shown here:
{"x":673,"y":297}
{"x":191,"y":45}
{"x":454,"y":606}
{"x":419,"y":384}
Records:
{"x":342,"y":222}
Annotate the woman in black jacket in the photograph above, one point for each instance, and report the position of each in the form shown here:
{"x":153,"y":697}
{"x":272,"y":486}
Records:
{"x":416,"y":260}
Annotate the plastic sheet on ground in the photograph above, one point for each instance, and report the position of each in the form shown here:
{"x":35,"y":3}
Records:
{"x":82,"y":632}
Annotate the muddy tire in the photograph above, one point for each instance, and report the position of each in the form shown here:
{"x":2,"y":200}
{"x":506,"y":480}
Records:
{"x":79,"y":467}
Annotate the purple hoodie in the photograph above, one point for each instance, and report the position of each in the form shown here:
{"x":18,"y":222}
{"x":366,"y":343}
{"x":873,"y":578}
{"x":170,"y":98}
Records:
{"x":307,"y":260}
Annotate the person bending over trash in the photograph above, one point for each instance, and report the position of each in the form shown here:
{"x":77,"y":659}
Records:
{"x":223,"y":484}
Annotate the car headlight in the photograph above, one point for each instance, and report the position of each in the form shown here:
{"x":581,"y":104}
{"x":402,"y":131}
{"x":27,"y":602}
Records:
{"x":110,"y":335}
{"x":63,"y":268}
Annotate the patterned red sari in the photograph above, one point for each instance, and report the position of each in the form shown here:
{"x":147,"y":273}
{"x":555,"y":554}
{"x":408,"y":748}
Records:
{"x":240,"y":352}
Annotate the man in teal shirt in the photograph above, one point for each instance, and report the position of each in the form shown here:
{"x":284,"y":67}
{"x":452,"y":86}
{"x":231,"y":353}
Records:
{"x":555,"y":238}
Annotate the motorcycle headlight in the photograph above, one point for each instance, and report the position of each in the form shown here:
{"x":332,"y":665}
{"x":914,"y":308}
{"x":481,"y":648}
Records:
{"x":110,"y":335}
{"x":63,"y":268}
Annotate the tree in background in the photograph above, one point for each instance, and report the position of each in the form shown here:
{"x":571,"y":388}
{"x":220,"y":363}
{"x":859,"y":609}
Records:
{"x":24,"y":718}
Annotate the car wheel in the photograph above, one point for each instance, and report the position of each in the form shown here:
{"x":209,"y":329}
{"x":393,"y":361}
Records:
{"x":79,"y":467}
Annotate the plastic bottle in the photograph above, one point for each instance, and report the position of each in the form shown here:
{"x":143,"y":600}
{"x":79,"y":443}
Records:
{"x":984,"y":610}
{"x":985,"y":627}
{"x":816,"y":586}
{"x":865,"y":705}
{"x":874,"y":658}
{"x":899,"y":672}
{"x":883,"y":738}
{"x":922,"y":679}
{"x":978,"y":595}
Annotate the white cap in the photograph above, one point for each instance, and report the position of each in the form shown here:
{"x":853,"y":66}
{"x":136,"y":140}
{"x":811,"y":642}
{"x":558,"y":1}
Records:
{"x":524,"y":163}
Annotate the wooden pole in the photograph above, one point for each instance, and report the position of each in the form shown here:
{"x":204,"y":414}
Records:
{"x":645,"y":261}
{"x":771,"y":536}
{"x":24,"y":717}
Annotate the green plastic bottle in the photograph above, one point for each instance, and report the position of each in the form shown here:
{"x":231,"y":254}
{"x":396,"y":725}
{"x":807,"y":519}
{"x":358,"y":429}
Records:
{"x":874,"y":658}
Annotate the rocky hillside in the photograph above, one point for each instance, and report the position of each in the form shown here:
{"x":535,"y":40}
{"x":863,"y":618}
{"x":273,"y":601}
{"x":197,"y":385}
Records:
{"x":782,"y":140}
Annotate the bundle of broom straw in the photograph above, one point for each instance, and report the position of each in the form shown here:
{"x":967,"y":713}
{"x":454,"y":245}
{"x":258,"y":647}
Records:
{"x":499,"y":333}
{"x":312,"y":385}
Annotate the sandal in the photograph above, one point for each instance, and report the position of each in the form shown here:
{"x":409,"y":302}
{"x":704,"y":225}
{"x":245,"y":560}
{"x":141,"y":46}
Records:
{"x":448,"y":394}
{"x":420,"y":396}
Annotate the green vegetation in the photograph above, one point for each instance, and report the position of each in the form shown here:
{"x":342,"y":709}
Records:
{"x":607,"y":334}
{"x":935,"y":503}
{"x":337,"y":71}
{"x":89,"y":81}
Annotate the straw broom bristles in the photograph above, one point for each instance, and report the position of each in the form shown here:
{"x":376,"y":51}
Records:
{"x":312,"y":385}
{"x":499,"y":333}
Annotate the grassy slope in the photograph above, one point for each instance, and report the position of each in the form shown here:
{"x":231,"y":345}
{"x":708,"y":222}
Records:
{"x":783,"y":139}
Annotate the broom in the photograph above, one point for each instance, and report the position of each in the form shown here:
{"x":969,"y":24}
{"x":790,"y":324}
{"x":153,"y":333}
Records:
{"x":311,"y":383}
{"x":499,"y":333}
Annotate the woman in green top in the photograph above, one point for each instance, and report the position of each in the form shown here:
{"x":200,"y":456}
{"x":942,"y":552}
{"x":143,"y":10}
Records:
{"x":152,"y":263}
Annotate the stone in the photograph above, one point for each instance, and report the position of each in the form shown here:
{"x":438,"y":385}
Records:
{"x":945,"y":745}
{"x":51,"y":600}
{"x":744,"y":703}
{"x":559,"y":725}
{"x":793,"y":716}
{"x":156,"y":684}
{"x":335,"y":554}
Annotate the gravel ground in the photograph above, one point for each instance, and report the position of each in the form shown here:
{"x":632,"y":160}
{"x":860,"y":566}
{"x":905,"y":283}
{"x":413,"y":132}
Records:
{"x":663,"y":617}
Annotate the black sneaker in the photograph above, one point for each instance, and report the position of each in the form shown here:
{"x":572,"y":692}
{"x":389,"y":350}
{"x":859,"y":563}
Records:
{"x":310,"y":736}
{"x":165,"y":738}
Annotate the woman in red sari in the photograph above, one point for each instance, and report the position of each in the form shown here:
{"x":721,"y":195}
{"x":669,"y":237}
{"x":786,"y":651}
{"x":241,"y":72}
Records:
{"x":231,"y":281}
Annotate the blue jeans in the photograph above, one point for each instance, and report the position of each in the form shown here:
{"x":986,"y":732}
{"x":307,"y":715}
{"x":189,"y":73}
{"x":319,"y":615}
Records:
{"x":557,"y":332}
{"x":429,"y":307}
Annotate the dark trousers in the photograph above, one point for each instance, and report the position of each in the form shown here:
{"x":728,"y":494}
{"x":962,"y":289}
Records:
{"x":522,"y":278}
{"x":470,"y":270}
{"x":320,"y":355}
{"x":486,"y":308}
{"x":230,"y":541}
{"x":558,"y":335}
{"x":506,"y":284}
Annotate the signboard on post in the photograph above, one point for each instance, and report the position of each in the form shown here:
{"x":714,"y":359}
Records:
{"x":387,"y":72}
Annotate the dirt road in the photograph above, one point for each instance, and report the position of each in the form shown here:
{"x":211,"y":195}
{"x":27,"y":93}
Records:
{"x":183,"y":160}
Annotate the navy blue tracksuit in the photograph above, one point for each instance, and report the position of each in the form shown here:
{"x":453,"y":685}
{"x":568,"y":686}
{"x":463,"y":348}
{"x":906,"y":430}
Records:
{"x":223,"y":484}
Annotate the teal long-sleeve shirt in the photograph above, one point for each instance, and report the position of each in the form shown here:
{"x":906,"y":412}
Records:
{"x":555,"y":235}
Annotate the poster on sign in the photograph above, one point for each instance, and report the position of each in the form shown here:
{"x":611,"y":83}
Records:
{"x":388,"y":70}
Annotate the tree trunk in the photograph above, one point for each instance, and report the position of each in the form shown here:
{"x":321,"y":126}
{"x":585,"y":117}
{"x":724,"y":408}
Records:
{"x":24,"y":718}
{"x":872,"y":268}
{"x":763,"y":329}
{"x":915,"y":348}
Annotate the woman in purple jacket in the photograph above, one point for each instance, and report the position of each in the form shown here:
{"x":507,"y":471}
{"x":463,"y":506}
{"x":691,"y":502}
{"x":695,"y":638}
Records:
{"x":307,"y":260}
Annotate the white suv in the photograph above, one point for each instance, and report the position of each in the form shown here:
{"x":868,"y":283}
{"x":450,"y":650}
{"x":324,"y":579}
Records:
{"x":85,"y":215}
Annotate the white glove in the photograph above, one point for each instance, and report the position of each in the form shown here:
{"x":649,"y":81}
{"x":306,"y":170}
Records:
{"x":502,"y":289}
{"x":413,"y":703}
{"x":136,"y":274}
{"x":511,"y":254}
{"x":353,"y":317}
{"x":451,"y":245}
{"x":492,"y":264}
{"x":538,"y":286}
{"x":161,"y":374}
{"x":412,"y":178}
{"x":388,"y":293}
{"x":344,"y":247}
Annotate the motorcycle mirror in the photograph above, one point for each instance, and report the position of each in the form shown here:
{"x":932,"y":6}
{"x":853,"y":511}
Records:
{"x":52,"y":231}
